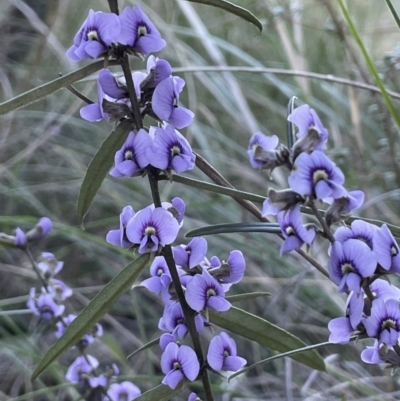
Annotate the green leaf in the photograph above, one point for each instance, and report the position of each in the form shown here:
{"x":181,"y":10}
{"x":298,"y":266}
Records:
{"x":394,"y":13}
{"x":44,"y":90}
{"x":93,"y":312}
{"x":252,"y":227}
{"x":371,"y":66}
{"x":145,"y":346}
{"x":289,"y":353}
{"x":232,"y":8}
{"x":247,"y":296}
{"x":160,"y":393}
{"x":265,"y":333}
{"x":99,"y":167}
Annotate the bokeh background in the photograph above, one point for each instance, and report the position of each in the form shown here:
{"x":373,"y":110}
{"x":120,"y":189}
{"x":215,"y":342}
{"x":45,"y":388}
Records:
{"x":45,"y":149}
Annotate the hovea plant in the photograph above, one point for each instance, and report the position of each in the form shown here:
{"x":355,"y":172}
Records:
{"x":201,"y":328}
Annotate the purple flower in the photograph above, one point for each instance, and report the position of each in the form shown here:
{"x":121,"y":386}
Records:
{"x":178,"y":363}
{"x":359,"y":229}
{"x":111,"y":86}
{"x":80,"y":368}
{"x":131,"y":159}
{"x":342,"y":328}
{"x":20,"y":238}
{"x":49,"y":265}
{"x":96,"y":34}
{"x":179,"y":205}
{"x":222,"y":354}
{"x":171,"y":150}
{"x":124,"y":391}
{"x":349,"y":263}
{"x":203,"y":291}
{"x":160,"y":68}
{"x":192,"y":254}
{"x":312,"y":134}
{"x":261,"y":146}
{"x":152,"y":228}
{"x":314,"y":174}
{"x":118,"y":237}
{"x":173,"y":320}
{"x":283,"y":200}
{"x":165,"y":339}
{"x":386,"y":249}
{"x":42,"y":229}
{"x":165,"y":103}
{"x":293,"y":230}
{"x":138,"y":32}
{"x":341,"y":207}
{"x":193,"y":397}
{"x":371,"y":354}
{"x":161,"y":277}
{"x":94,"y":112}
{"x":230,"y":271}
{"x":382,"y":289}
{"x":44,"y":306}
{"x":59,"y":290}
{"x":384,"y":322}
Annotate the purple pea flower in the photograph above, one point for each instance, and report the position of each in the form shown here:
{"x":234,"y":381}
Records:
{"x":118,"y":237}
{"x":340,"y":208}
{"x":20,"y":238}
{"x":173,"y":320}
{"x":80,"y":368}
{"x":230,"y":271}
{"x":161,"y":69}
{"x":384,"y":290}
{"x":180,"y":207}
{"x":165,"y":339}
{"x":170,"y":150}
{"x":203,"y":291}
{"x":371,"y":354}
{"x":342,"y":328}
{"x":260,"y":146}
{"x":222,"y":354}
{"x":94,"y":37}
{"x":178,"y":363}
{"x":161,"y":277}
{"x":111,"y":86}
{"x":59,"y":290}
{"x":386,"y":249}
{"x":94,"y":112}
{"x":192,"y":254}
{"x":41,"y":230}
{"x":138,"y":32}
{"x":131,"y":159}
{"x":152,"y":228}
{"x":312,"y":134}
{"x":193,"y":397}
{"x":49,"y":265}
{"x":165,"y":103}
{"x":349,"y":263}
{"x":124,"y":391}
{"x":384,"y":322}
{"x":314,"y":174}
{"x":295,"y":233}
{"x":44,"y":306}
{"x":359,"y":229}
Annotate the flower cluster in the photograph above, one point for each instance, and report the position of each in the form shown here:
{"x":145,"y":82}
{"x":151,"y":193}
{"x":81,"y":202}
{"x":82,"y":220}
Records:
{"x":156,"y":150}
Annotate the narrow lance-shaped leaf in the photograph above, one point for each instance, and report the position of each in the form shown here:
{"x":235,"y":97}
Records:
{"x":44,"y":90}
{"x":99,"y":167}
{"x":233,"y":9}
{"x":252,"y":227}
{"x":93,"y":312}
{"x":145,"y":346}
{"x":266,"y":334}
{"x":160,"y":393}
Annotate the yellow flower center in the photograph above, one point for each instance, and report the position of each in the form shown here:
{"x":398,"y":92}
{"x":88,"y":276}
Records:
{"x":319,"y":175}
{"x":176,"y":365}
{"x":142,"y":30}
{"x":347,"y":268}
{"x":149,"y":231}
{"x":210,"y":292}
{"x":92,"y":35}
{"x":175,"y":150}
{"x":388,"y":324}
{"x":128,"y":155}
{"x":290,"y":230}
{"x":393,"y":250}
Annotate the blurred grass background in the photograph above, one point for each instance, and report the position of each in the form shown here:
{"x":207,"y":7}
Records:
{"x":45,"y":149}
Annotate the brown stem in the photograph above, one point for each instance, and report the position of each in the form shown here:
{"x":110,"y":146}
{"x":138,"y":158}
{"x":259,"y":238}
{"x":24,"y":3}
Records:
{"x":318,"y":215}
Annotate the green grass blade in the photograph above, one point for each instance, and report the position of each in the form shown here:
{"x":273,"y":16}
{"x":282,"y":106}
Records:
{"x":252,"y":227}
{"x":266,"y":334}
{"x":145,"y":346}
{"x":46,"y":89}
{"x":283,"y":355}
{"x":394,"y":12}
{"x":233,"y":9}
{"x":160,"y":393}
{"x":93,"y":312}
{"x":370,"y":64}
{"x":99,"y":167}
{"x":247,"y":296}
